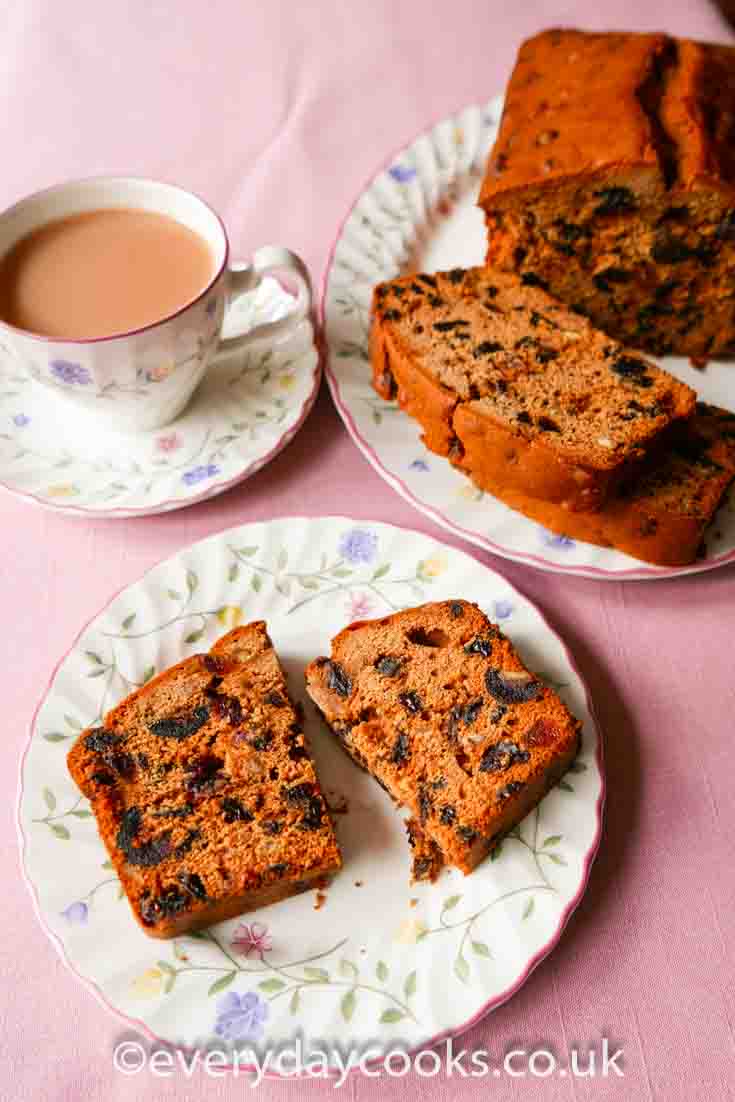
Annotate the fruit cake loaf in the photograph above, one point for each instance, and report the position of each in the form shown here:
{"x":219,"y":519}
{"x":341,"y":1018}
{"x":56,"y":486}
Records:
{"x":568,"y":412}
{"x":661,"y":517}
{"x":204,"y":791}
{"x":612,"y":183}
{"x":436,"y":704}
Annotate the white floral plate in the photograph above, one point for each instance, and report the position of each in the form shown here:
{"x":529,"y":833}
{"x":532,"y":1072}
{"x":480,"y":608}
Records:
{"x":419,"y":213}
{"x":380,"y":961}
{"x":246,"y":410}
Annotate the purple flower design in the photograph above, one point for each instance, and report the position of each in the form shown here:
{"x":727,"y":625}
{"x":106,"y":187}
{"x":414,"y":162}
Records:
{"x":200,"y":473}
{"x":503,"y":610}
{"x":76,"y":913}
{"x":419,"y":465}
{"x":21,"y":420}
{"x":402,"y":173}
{"x":71,"y":373}
{"x":358,"y":545}
{"x":211,"y":307}
{"x":557,"y":542}
{"x":241,"y":1017}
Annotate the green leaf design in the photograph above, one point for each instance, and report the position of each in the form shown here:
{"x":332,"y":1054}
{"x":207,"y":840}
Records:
{"x":283,"y":586}
{"x":221,"y":983}
{"x":555,"y":858}
{"x":381,"y":571}
{"x":377,"y":416}
{"x":552,"y":840}
{"x":49,"y":799}
{"x":99,"y":672}
{"x":174,"y":594}
{"x":409,"y":987}
{"x":308,"y":583}
{"x":528,"y":909}
{"x":60,"y":831}
{"x":256,"y":582}
{"x":55,"y":736}
{"x":233,"y":572}
{"x":168,"y":982}
{"x":316,"y":975}
{"x":391,"y":1015}
{"x":93,"y":657}
{"x":70,"y":721}
{"x":194,"y":636}
{"x":129,"y":621}
{"x":270,"y":986}
{"x":247,"y":552}
{"x":293,"y":1005}
{"x":192,"y":580}
{"x":480,"y":948}
{"x":381,"y":971}
{"x":565,"y":786}
{"x":462,"y":969}
{"x":450,"y":903}
{"x":347,"y":1005}
{"x":348,"y":969}
{"x":166,"y":967}
{"x":496,"y":852}
{"x":148,"y":673}
{"x":81,"y":814}
{"x":107,"y":865}
{"x":341,"y":572}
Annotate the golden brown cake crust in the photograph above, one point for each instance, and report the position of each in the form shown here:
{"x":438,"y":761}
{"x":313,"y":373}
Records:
{"x":662,"y":517}
{"x":436,"y":704}
{"x":204,"y":791}
{"x":613,"y":180}
{"x":568,"y":412}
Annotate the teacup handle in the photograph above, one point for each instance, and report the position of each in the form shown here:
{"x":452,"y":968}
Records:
{"x":269,"y":260}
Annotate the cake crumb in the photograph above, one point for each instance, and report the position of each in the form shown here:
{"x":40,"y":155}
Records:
{"x":321,"y":899}
{"x":359,"y":883}
{"x":412,"y":902}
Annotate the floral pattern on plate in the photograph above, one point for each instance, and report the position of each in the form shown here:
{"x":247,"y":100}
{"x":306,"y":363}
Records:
{"x":247,"y":409}
{"x":420,"y":213}
{"x":306,"y":965}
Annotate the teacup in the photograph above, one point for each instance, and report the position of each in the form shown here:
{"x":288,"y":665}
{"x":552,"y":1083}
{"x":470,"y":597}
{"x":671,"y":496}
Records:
{"x":143,"y":378}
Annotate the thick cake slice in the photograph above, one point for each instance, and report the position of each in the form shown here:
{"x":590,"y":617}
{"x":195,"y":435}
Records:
{"x":662,"y":516}
{"x":565,"y":413}
{"x":436,"y":704}
{"x":204,"y":791}
{"x":612,"y":182}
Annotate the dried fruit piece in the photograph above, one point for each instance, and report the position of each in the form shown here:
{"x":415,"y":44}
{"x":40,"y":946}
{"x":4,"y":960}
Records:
{"x":510,"y":687}
{"x":180,"y":727}
{"x":502,"y":756}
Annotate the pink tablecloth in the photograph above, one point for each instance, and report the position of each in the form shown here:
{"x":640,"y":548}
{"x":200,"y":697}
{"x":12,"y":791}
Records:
{"x":278,"y":112}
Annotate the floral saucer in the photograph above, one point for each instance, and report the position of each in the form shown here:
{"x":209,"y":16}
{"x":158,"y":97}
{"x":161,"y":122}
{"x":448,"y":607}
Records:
{"x":248,"y":407}
{"x":420,"y":213}
{"x":372,"y":960}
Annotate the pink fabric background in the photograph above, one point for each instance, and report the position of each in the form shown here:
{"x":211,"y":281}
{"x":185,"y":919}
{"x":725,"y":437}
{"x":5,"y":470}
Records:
{"x":277,"y":113}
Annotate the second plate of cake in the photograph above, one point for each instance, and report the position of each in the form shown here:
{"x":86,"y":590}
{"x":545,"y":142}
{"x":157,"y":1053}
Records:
{"x":368,"y":957}
{"x":419,"y":215}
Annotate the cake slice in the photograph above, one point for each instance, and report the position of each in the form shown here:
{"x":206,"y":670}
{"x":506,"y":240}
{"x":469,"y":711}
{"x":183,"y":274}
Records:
{"x":204,"y":791}
{"x":662,"y":516}
{"x":612,"y":182}
{"x":565,"y":414}
{"x":436,"y":704}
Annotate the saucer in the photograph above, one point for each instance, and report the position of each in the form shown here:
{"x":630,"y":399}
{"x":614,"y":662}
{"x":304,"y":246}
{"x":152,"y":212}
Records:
{"x":247,"y":409}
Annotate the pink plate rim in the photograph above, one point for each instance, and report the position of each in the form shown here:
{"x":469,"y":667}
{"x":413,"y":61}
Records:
{"x":438,"y":1038}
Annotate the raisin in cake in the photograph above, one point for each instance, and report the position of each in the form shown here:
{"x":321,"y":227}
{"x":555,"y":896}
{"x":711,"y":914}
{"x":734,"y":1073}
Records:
{"x":204,"y":791}
{"x":612,"y":183}
{"x":662,"y":516}
{"x":565,"y":413}
{"x":436,"y":704}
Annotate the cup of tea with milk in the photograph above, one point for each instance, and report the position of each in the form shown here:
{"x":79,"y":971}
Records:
{"x":114,"y":291}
